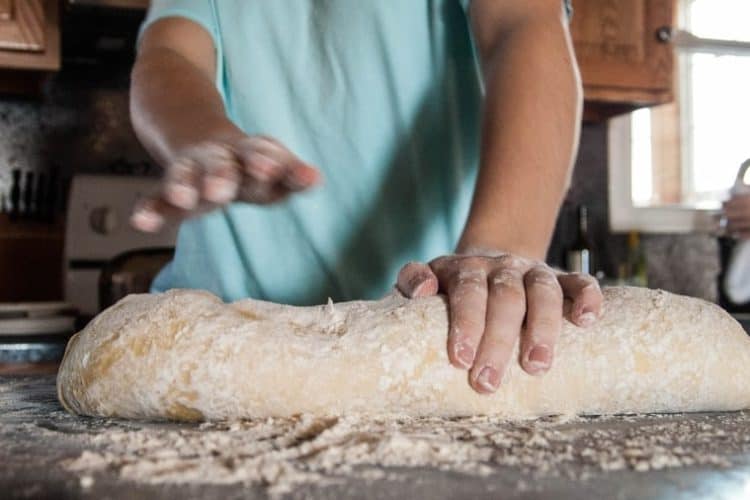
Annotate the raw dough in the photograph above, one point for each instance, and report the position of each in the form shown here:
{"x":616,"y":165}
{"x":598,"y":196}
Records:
{"x":185,"y":355}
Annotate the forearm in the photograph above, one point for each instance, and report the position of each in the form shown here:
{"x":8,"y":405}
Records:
{"x":173,"y":104}
{"x":530,"y":129}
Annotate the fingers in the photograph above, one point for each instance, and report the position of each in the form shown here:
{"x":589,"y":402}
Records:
{"x":506,"y":306}
{"x":221,"y":175}
{"x":151,"y":214}
{"x":544,"y":307}
{"x":417,"y":280}
{"x":272,"y":165}
{"x":206,"y":173}
{"x":254,"y":169}
{"x":466,"y":285}
{"x":181,"y":185}
{"x":585,"y":296}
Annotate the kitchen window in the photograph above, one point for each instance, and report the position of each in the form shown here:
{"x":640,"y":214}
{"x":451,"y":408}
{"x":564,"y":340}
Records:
{"x":671,"y":166}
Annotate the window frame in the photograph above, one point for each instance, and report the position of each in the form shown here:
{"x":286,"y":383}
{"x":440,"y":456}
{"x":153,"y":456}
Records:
{"x":624,"y":215}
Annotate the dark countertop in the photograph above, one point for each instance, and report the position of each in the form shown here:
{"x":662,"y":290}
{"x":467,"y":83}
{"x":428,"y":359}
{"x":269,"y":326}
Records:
{"x":36,"y":435}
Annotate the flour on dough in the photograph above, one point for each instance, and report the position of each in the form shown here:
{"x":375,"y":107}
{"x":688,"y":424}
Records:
{"x":185,"y":355}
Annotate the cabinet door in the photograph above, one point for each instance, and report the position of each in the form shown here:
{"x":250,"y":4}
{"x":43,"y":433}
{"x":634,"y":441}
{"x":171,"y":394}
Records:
{"x":29,"y":34}
{"x":620,"y":53}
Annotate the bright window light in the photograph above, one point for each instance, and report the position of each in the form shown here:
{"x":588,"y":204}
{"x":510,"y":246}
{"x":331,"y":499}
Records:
{"x":720,"y":19}
{"x":642,"y":168}
{"x":714,"y":110}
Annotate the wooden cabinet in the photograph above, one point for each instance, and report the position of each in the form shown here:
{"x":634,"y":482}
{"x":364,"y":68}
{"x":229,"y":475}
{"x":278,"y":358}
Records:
{"x":31,"y":260}
{"x":624,"y":54}
{"x":29,"y":34}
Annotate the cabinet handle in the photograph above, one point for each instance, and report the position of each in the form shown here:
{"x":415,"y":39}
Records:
{"x":664,"y":34}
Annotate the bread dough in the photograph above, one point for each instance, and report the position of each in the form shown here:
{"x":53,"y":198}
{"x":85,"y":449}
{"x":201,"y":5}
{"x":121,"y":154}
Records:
{"x":185,"y":355}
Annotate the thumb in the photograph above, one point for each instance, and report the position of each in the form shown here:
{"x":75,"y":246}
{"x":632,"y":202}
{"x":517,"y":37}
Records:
{"x":416,"y":279}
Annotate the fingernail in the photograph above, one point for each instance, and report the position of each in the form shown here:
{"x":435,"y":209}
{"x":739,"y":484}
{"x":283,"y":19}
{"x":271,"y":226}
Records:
{"x":489,"y":378}
{"x":586,"y":318}
{"x":146,"y":220}
{"x":220,"y":190}
{"x":182,"y":196}
{"x":464,"y":354}
{"x":540,"y":358}
{"x":423,"y":286}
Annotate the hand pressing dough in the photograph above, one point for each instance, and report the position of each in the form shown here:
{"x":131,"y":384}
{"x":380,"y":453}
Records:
{"x":185,"y":355}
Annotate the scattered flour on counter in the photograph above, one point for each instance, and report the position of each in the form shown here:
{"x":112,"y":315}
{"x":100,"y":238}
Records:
{"x":283,"y":453}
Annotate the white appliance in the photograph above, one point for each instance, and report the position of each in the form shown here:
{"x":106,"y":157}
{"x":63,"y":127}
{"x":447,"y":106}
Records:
{"x":97,"y":230}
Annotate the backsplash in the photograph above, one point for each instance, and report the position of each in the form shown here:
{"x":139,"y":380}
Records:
{"x":76,"y":127}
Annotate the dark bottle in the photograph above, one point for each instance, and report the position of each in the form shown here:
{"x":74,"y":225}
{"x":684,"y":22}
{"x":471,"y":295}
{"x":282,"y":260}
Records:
{"x":579,"y":255}
{"x":15,"y":194}
{"x":637,"y":266}
{"x":28,"y":195}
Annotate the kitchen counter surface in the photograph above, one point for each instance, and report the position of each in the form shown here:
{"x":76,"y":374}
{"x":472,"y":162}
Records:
{"x":37,"y":436}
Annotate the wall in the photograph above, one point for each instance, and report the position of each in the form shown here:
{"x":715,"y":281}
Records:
{"x":80,"y":124}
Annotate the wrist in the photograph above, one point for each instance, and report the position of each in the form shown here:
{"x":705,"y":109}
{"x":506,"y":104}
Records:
{"x":492,"y":247}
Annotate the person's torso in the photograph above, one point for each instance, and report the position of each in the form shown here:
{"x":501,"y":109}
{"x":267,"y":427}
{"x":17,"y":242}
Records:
{"x":383,"y":96}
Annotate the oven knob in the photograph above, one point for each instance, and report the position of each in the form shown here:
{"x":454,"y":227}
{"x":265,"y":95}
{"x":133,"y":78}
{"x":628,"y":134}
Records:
{"x":103,"y":220}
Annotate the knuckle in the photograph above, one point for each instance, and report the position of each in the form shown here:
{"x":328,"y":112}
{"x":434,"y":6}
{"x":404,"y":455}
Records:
{"x":542,"y":276}
{"x":507,"y":282}
{"x":469,"y":278}
{"x":182,"y":167}
{"x":208,"y":150}
{"x":511,"y":261}
{"x":472,"y":262}
{"x":591,"y":288}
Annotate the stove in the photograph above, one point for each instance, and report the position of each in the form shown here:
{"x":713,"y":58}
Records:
{"x":102,"y":250}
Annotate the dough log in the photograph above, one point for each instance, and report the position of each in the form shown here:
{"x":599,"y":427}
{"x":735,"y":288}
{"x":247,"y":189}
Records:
{"x":185,"y":355}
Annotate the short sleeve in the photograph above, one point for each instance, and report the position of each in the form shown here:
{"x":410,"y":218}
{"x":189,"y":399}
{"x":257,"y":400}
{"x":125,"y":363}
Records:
{"x":567,"y":5}
{"x":199,"y":11}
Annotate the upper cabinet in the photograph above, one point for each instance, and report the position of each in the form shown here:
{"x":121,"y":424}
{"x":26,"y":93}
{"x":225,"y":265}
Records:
{"x":624,"y":54}
{"x":29,"y":35}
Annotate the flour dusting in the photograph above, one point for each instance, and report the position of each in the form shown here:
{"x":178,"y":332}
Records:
{"x":281,"y":454}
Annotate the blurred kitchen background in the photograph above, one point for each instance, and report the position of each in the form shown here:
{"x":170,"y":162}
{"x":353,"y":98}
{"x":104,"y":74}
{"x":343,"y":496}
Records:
{"x":666,"y":86}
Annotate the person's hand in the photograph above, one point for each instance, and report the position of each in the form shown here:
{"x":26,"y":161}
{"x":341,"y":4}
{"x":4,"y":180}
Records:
{"x":737,"y":212}
{"x":494,"y":300}
{"x":210,"y":174}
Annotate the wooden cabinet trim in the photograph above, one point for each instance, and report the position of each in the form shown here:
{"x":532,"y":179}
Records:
{"x":6,"y":10}
{"x":24,"y":27}
{"x":47,"y":58}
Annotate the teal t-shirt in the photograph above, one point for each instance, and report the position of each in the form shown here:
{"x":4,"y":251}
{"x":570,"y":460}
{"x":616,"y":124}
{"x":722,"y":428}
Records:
{"x":384,"y":97}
